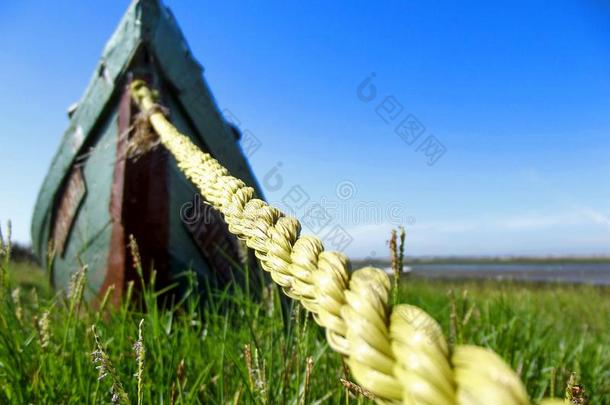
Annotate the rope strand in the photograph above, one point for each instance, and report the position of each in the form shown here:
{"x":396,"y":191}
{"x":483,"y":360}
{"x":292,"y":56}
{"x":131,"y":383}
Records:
{"x":399,"y":355}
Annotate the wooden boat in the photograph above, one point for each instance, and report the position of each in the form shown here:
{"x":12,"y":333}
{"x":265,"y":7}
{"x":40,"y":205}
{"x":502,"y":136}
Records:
{"x":99,"y":189}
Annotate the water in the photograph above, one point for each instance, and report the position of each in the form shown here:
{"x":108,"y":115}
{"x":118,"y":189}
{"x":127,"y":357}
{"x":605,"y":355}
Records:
{"x":579,"y":273}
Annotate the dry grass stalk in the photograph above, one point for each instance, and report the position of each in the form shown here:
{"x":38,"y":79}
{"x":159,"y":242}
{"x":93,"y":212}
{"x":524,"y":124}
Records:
{"x":397,"y":257}
{"x":259,"y":372}
{"x":308,"y":370}
{"x":135,"y":254}
{"x":356,"y":389}
{"x":140,"y":351}
{"x":394,"y":251}
{"x":6,"y":244}
{"x":5,"y":255}
{"x":394,"y":264}
{"x":401,"y":249}
{"x":352,"y":387}
{"x":248,"y":358}
{"x":256,"y":372}
{"x":454,"y":329}
{"x":44,"y":330}
{"x":16,"y":297}
{"x":180,"y":379}
{"x":76,"y":288}
{"x":106,"y":369}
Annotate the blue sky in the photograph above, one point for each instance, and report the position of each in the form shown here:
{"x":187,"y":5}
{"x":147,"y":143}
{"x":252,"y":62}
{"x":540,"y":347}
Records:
{"x":517,"y":94}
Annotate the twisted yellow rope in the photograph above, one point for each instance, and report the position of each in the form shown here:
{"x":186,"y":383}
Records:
{"x":399,"y":355}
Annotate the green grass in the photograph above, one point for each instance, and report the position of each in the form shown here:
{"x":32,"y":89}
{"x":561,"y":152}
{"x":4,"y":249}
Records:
{"x":196,"y":353}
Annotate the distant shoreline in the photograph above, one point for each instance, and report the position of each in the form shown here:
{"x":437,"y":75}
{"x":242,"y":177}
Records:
{"x":594,"y":273}
{"x":384,"y":262}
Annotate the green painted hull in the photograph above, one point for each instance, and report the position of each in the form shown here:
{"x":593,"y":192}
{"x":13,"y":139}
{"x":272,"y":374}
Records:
{"x":93,"y":197}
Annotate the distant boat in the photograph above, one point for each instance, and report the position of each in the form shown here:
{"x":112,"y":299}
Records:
{"x":405,"y":269}
{"x":98,"y":191}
